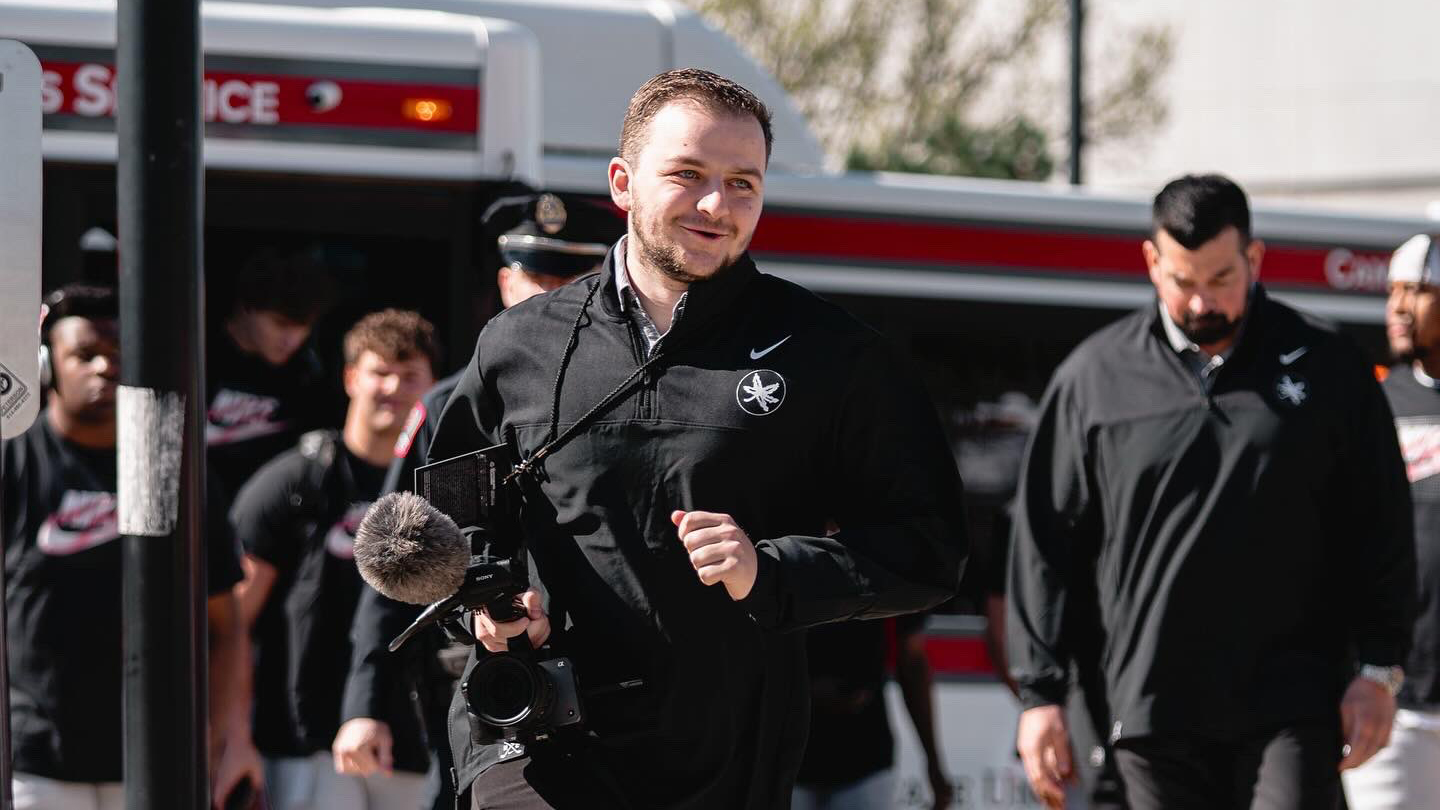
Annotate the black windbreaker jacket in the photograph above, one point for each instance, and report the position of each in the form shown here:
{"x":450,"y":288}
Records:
{"x":1247,"y":545}
{"x":849,"y":436}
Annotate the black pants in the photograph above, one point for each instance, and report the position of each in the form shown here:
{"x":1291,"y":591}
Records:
{"x":1292,"y":768}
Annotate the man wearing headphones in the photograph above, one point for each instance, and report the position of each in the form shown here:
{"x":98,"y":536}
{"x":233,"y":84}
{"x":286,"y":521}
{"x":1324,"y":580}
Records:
{"x":63,"y":589}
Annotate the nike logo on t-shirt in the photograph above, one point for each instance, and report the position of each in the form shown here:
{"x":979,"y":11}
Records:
{"x":83,"y":521}
{"x":756,"y":354}
{"x":340,"y":540}
{"x":237,"y":416}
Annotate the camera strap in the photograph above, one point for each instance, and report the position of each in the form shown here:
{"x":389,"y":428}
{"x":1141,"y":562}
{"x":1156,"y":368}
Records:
{"x":529,"y":465}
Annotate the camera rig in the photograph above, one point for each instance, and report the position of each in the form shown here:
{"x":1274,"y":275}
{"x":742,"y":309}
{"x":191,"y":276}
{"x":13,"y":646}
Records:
{"x":522,"y":693}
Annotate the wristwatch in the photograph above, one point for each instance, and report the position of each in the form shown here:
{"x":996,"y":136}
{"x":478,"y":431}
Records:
{"x":1392,"y":678}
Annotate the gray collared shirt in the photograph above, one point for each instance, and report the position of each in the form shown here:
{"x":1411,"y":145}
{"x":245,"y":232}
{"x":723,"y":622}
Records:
{"x":630,"y":302}
{"x":1203,"y":365}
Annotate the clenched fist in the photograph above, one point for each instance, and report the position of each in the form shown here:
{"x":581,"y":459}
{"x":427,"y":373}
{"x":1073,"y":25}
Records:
{"x":720,"y":551}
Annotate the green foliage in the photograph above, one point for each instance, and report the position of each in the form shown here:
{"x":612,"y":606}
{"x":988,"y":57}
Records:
{"x":948,"y":86}
{"x":1015,"y":150}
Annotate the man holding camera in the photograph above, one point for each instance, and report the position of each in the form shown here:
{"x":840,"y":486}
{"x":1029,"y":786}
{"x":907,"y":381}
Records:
{"x":688,"y":427}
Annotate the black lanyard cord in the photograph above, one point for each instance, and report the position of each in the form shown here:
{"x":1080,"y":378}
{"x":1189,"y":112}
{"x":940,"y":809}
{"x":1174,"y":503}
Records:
{"x":528,"y":465}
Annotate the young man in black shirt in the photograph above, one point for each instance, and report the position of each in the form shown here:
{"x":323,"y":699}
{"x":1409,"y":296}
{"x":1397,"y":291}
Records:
{"x":1223,"y":470}
{"x":264,"y":383}
{"x":297,"y":519}
{"x":1406,"y":773}
{"x":63,"y":588}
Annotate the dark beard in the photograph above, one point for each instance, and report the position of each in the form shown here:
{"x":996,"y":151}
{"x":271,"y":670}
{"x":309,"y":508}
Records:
{"x":667,"y":259}
{"x":1204,"y":330}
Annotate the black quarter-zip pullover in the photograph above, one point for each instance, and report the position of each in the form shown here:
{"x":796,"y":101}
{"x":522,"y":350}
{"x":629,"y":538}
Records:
{"x":1247,"y":543}
{"x":824,"y":425}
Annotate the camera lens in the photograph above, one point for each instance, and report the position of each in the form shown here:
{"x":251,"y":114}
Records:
{"x":505,"y":690}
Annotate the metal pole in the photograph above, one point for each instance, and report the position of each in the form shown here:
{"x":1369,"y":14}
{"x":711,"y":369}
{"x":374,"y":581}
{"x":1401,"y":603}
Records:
{"x":6,"y":767}
{"x":159,"y":405}
{"x":1077,"y":99}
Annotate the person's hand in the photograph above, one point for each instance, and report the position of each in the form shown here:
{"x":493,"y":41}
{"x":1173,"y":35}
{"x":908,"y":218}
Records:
{"x":496,"y":635}
{"x":363,"y":746}
{"x":1366,"y":713}
{"x":941,"y":791}
{"x":720,"y":551}
{"x":236,"y":761}
{"x":1044,"y":744}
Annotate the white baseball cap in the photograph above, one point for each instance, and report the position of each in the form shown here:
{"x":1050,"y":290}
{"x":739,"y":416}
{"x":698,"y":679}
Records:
{"x":1416,"y":261}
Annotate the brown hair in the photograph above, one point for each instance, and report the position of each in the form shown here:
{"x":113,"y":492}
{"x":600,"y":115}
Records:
{"x":395,"y":334}
{"x":707,"y":89}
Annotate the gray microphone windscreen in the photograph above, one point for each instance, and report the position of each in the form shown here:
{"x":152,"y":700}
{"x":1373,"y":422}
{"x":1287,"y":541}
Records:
{"x":410,"y":551}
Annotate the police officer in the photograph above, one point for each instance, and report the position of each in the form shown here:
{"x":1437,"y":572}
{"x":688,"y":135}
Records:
{"x":544,"y":241}
{"x":1223,"y":469}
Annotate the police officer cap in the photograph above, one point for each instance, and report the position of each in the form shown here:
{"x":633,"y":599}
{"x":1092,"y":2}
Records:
{"x":1417,"y":261}
{"x":545,"y":233}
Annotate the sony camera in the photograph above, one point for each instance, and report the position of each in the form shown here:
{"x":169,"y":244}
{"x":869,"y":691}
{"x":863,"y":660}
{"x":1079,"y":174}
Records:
{"x":523,"y":694}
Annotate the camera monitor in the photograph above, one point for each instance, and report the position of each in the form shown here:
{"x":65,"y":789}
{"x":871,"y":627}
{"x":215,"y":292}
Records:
{"x":467,"y":487}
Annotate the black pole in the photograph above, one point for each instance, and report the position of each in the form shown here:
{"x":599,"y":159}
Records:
{"x":1077,"y":99}
{"x":161,"y":450}
{"x":6,"y":768}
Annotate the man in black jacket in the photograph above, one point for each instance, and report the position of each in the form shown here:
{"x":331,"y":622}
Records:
{"x":688,"y":421}
{"x":1224,"y":472}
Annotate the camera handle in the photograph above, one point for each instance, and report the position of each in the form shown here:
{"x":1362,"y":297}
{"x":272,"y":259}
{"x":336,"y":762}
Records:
{"x":509,"y":610}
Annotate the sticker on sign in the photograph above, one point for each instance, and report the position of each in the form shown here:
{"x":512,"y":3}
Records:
{"x":20,"y":234}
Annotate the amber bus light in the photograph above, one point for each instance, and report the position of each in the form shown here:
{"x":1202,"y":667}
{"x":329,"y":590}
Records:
{"x":428,"y":110}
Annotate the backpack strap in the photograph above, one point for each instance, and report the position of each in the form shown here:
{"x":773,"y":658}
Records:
{"x":319,"y":448}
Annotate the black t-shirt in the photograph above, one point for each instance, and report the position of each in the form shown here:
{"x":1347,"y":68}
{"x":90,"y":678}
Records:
{"x":1417,"y":422}
{"x":850,"y":735}
{"x":64,"y":603}
{"x":256,"y":411}
{"x":299,"y":513}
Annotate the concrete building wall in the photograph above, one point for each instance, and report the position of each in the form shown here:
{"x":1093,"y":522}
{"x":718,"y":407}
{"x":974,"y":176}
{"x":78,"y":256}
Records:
{"x":1330,"y":102}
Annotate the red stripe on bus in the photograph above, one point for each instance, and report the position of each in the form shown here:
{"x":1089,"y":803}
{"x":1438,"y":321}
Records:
{"x":826,"y":238}
{"x":959,"y":657}
{"x":262,"y":100}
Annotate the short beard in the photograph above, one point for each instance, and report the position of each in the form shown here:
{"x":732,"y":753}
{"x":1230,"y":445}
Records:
{"x":1205,"y":330}
{"x":666,"y":258}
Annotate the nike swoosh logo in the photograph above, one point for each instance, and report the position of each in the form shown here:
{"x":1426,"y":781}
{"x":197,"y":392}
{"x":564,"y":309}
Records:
{"x":756,"y":355}
{"x":1287,"y":359}
{"x":58,"y":542}
{"x":340,"y":542}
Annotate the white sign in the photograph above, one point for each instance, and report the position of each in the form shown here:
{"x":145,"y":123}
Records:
{"x":19,"y":237}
